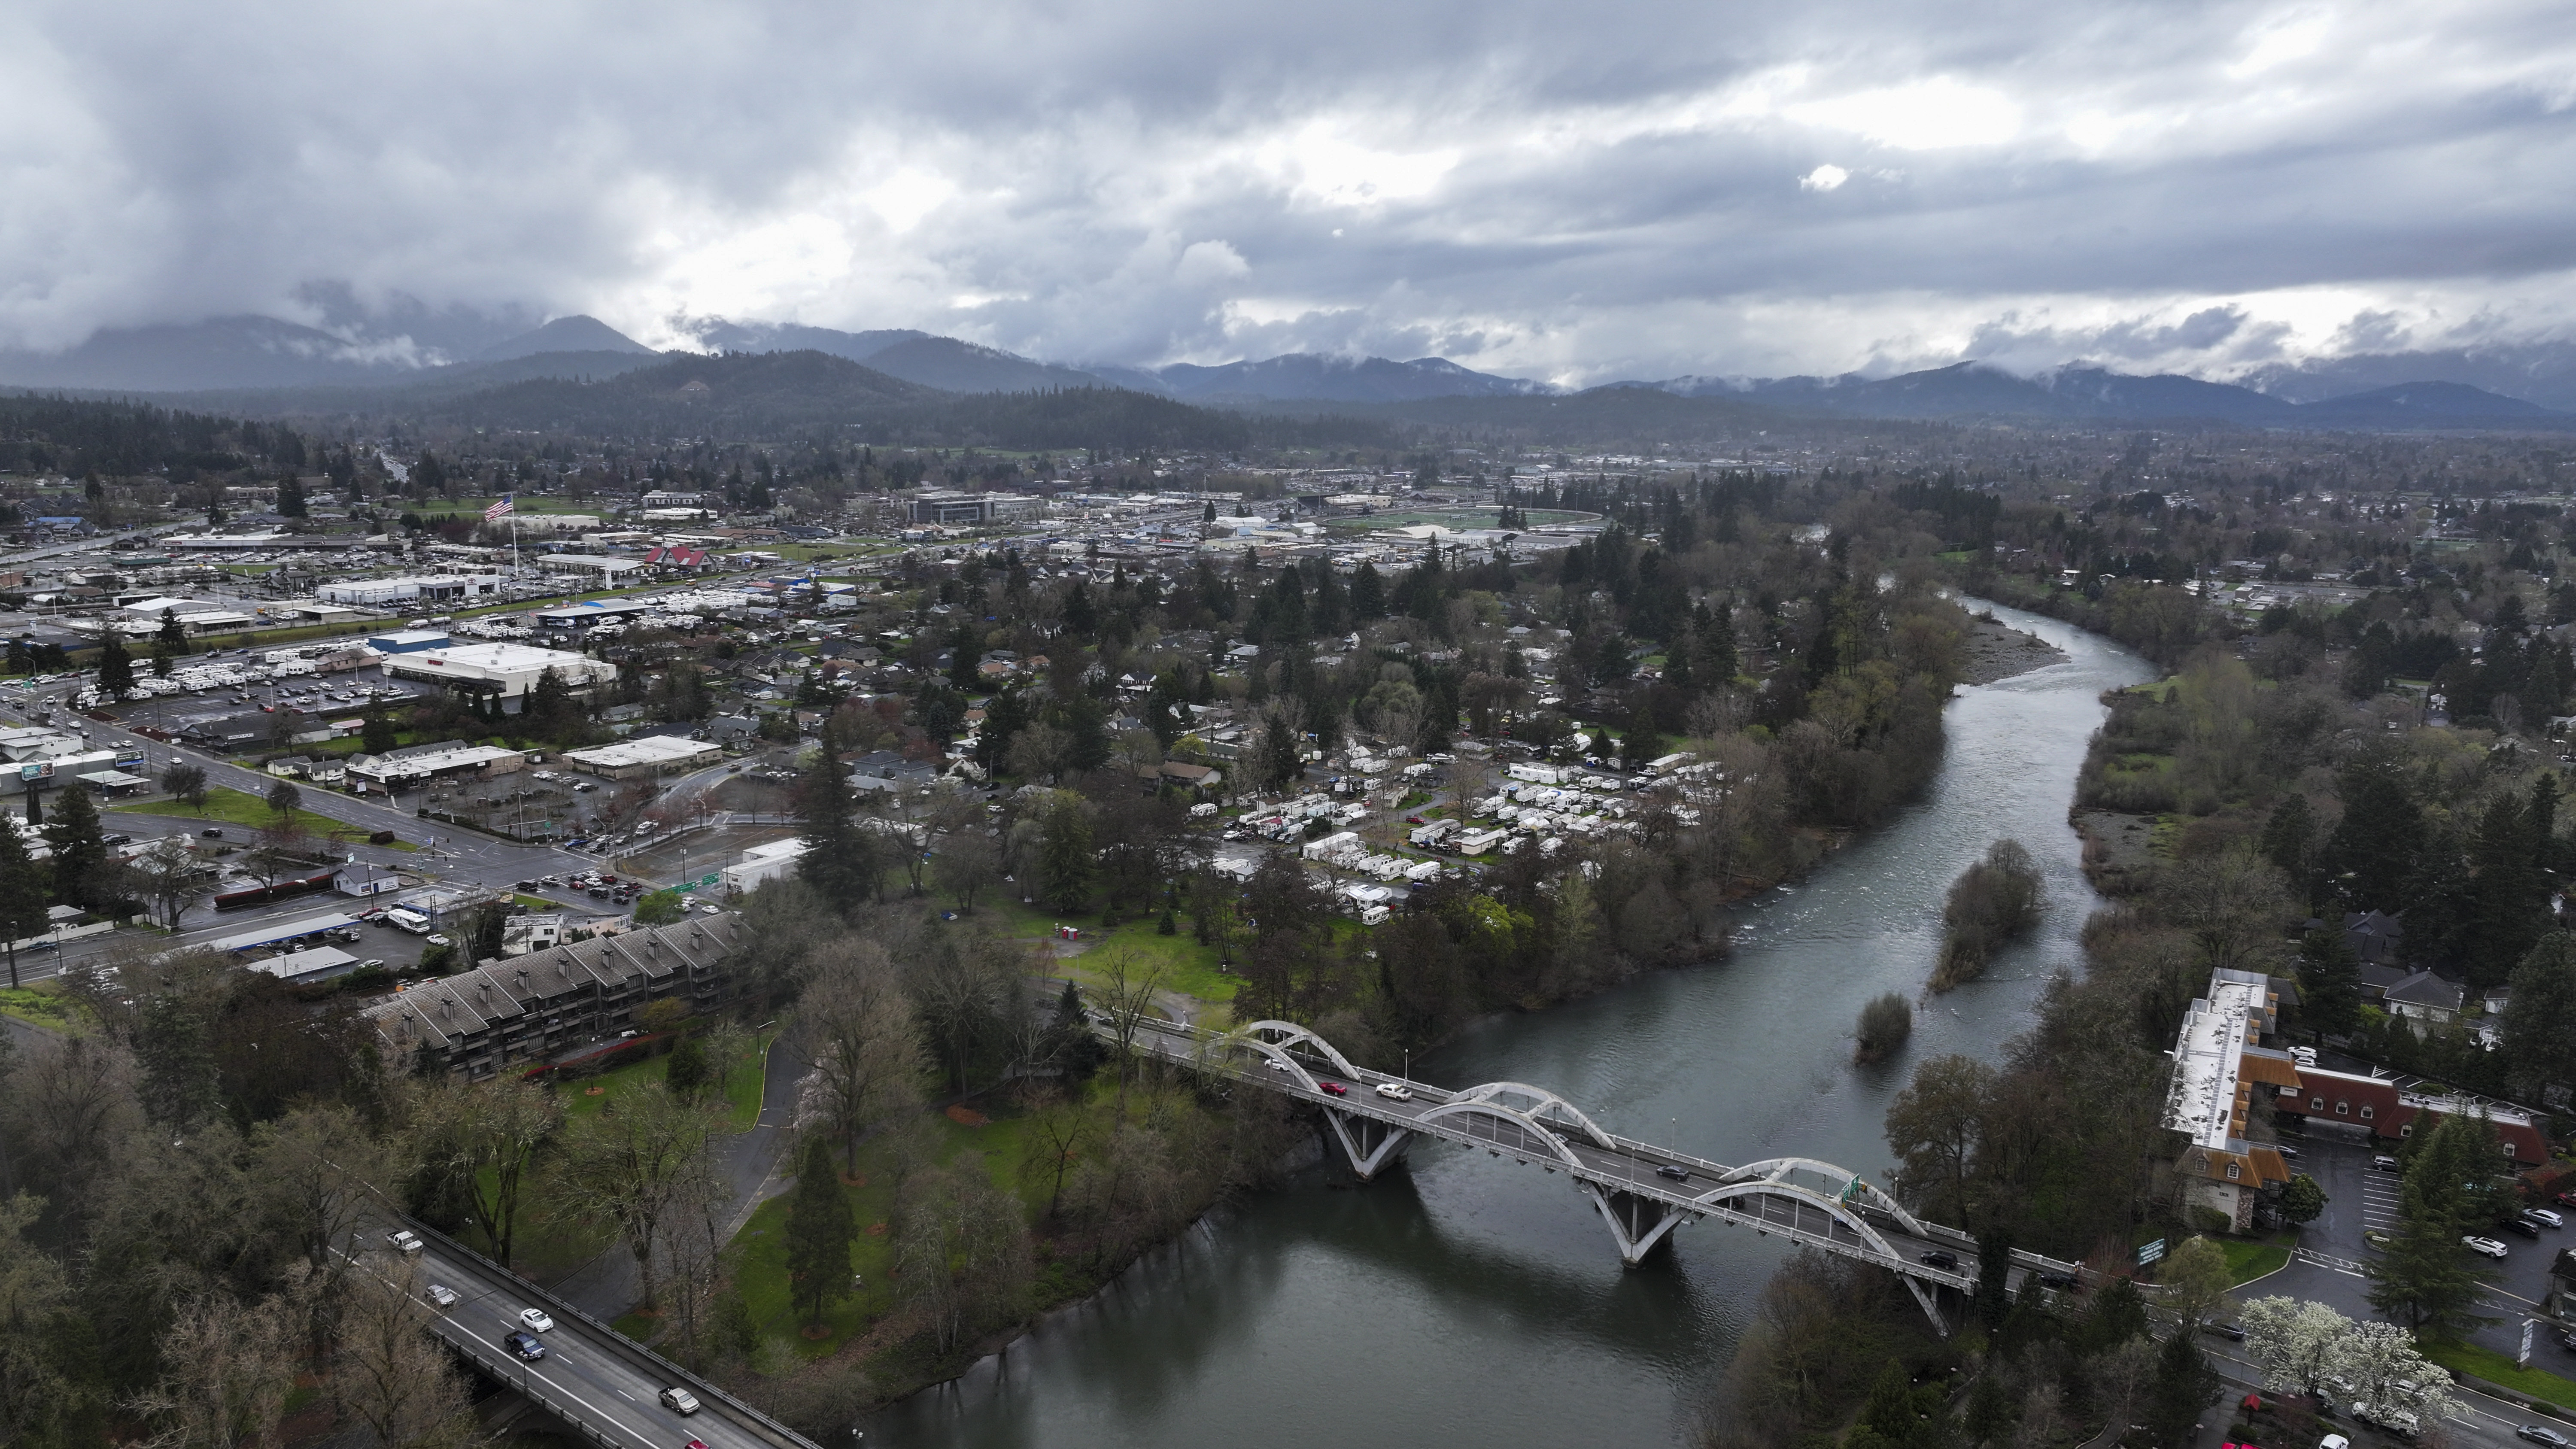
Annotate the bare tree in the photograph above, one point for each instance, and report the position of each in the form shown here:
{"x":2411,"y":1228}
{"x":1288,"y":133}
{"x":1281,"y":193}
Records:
{"x":227,"y":1369}
{"x":865,"y":1045}
{"x":168,"y":876}
{"x":71,"y":1101}
{"x":969,"y":862}
{"x":35,"y":1295}
{"x":962,"y":1245}
{"x":1127,"y":999}
{"x":389,"y":1374}
{"x":483,"y":1136}
{"x":314,"y":1171}
{"x":634,"y":1162}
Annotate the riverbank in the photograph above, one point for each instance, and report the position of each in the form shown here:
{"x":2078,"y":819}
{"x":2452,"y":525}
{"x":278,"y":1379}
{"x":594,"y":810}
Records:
{"x":1996,"y":651}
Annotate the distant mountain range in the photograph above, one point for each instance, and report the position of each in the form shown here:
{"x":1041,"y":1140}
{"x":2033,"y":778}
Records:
{"x":263,"y":364}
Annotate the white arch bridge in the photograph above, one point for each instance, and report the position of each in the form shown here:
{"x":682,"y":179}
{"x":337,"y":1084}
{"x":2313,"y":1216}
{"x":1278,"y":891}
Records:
{"x":1642,"y":1191}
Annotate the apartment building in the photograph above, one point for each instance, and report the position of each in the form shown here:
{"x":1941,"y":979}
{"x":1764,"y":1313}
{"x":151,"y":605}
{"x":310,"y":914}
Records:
{"x":527,"y":1009}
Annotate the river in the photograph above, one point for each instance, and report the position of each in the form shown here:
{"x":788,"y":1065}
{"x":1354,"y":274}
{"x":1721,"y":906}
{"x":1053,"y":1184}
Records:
{"x":1466,"y":1302}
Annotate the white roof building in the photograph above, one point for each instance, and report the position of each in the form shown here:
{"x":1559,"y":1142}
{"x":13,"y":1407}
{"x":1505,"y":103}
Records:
{"x":511,"y":669}
{"x":645,"y":755}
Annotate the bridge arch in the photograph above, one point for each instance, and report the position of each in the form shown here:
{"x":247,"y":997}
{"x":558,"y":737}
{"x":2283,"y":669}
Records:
{"x":1242,"y":1041}
{"x":1540,"y":1135}
{"x":1780,"y":1169}
{"x":1289,"y":1034}
{"x":1541,"y":1104}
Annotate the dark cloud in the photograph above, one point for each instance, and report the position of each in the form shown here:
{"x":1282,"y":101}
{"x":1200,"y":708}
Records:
{"x":1570,"y":191}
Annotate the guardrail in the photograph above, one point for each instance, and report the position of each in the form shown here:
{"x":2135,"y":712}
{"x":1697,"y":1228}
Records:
{"x":761,"y":1425}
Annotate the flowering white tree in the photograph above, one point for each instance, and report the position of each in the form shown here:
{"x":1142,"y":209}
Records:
{"x":2304,"y":1346}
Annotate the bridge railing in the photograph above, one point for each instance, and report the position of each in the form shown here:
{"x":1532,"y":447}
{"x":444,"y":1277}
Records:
{"x":761,"y":1426}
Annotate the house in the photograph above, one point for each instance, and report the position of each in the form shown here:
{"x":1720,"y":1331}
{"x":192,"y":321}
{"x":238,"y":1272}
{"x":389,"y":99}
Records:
{"x":2426,"y":998}
{"x":1192,"y":775}
{"x":2376,"y":938}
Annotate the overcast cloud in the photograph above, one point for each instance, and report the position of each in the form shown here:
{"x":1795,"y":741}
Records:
{"x":1570,"y":191}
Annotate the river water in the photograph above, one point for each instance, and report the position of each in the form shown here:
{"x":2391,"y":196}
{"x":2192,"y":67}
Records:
{"x":1467,"y":1302}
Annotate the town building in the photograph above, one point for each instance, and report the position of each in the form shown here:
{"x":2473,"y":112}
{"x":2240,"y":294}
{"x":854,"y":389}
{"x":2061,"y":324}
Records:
{"x":2218,"y":1062}
{"x":2390,"y":1108}
{"x":506,"y":671}
{"x":762,"y":864}
{"x":599,"y":570}
{"x":954,"y":510}
{"x":534,"y":1007}
{"x":421,"y":588}
{"x":415,"y":765}
{"x":644,"y":756}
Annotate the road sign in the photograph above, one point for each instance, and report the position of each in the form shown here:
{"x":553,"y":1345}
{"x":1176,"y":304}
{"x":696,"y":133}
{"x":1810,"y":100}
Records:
{"x":2524,"y":1360}
{"x":2150,"y":1252}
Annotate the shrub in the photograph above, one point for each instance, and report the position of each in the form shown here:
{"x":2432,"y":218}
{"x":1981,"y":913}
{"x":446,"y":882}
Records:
{"x":1992,"y":903}
{"x":1885,"y":1023}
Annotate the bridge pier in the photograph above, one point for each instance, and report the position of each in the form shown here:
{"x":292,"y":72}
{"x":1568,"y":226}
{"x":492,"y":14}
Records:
{"x":1637,"y":1223}
{"x":1367,"y":1143}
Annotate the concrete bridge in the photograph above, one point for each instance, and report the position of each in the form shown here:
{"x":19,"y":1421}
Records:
{"x":1643,"y":1191}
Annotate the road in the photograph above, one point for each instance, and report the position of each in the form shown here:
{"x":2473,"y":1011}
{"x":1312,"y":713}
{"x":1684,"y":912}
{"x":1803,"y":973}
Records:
{"x":591,"y":1376}
{"x":2485,"y":1422}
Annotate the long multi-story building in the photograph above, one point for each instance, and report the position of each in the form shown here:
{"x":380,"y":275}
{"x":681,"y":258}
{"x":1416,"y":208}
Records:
{"x":506,"y":1013}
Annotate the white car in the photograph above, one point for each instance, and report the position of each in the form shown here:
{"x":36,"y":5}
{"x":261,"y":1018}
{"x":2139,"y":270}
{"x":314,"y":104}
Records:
{"x":442,"y":1295}
{"x":1395,"y":1092}
{"x":535,"y":1319}
{"x":404,"y":1241}
{"x":680,"y":1400}
{"x":2488,"y":1246}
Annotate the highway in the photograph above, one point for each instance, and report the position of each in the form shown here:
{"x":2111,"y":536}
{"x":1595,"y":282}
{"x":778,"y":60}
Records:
{"x":592,"y":1377}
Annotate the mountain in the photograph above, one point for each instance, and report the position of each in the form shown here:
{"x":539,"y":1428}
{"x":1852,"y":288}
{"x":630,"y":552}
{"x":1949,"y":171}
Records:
{"x":723,"y":336}
{"x":685,"y":395}
{"x":2432,"y":405}
{"x":945,"y":362}
{"x":2537,"y":372}
{"x":564,"y":334}
{"x":1323,"y":377}
{"x":221,"y":352}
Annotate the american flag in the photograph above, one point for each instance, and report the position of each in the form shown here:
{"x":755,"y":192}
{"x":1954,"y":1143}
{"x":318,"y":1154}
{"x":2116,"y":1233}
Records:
{"x":502,"y":509}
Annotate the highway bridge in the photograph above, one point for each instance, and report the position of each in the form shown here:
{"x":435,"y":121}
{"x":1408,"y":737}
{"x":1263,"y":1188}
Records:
{"x":602,"y":1384}
{"x":1643,"y":1191}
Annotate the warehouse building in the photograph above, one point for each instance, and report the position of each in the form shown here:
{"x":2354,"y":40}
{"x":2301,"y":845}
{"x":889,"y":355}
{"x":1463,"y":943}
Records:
{"x":508,"y":671}
{"x":644,"y":756}
{"x":424,"y":588}
{"x":415,"y":765}
{"x":955,"y":509}
{"x":762,"y":864}
{"x":600,"y":570}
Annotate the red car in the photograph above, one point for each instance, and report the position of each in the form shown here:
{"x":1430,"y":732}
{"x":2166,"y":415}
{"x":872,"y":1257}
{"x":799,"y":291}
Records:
{"x":1336,"y":1088}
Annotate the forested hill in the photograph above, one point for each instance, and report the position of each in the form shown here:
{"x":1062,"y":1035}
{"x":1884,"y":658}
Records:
{"x":41,"y":434}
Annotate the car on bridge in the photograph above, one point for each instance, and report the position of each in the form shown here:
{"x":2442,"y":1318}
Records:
{"x":1395,"y":1092}
{"x":679,"y":1400}
{"x":535,"y":1319}
{"x":2543,"y":1434}
{"x":442,"y":1295}
{"x":1335,"y":1088}
{"x":1942,"y":1259}
{"x":404,"y":1241}
{"x":525,"y":1345}
{"x":1677,"y":1174}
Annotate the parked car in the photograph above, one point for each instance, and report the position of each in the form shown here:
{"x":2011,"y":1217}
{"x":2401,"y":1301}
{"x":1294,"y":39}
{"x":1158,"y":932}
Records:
{"x":525,"y":1345}
{"x":2488,"y":1246}
{"x":2545,"y":1217}
{"x":2523,"y":1226}
{"x":2385,"y":1163}
{"x":536,"y":1319}
{"x":679,"y":1400}
{"x":2057,"y":1282}
{"x":2286,"y":1150}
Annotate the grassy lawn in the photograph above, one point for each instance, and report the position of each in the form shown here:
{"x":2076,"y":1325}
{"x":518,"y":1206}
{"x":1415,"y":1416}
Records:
{"x":2495,"y":1368}
{"x":742,"y":1083}
{"x":240,"y":807}
{"x":2247,"y":1261}
{"x":1188,"y":967}
{"x":45,"y":1004}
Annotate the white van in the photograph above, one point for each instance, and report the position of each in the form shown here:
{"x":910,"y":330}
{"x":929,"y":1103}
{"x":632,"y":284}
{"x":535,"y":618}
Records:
{"x":404,"y":918}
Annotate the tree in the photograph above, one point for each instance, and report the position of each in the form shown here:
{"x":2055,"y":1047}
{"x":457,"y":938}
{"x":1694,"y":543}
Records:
{"x":186,"y":784}
{"x":388,"y":1373}
{"x":2302,"y":1345}
{"x":312,"y":1172}
{"x":378,"y":734}
{"x":115,"y":667}
{"x":482,"y":1138}
{"x":282,"y":798}
{"x":1935,"y":1126}
{"x":2329,"y":981}
{"x":2539,"y":1026}
{"x":1066,"y":862}
{"x":172,"y":635}
{"x":2196,"y":1281}
{"x":37,"y":1307}
{"x":968,"y":864}
{"x":818,"y":1234}
{"x":660,"y":908}
{"x":165,"y":875}
{"x":2301,"y":1200}
{"x":290,"y":497}
{"x":632,"y":1163}
{"x":840,"y":861}
{"x":2423,"y":1277}
{"x":22,"y":895}
{"x":962,"y":1250}
{"x":228,"y":1367}
{"x":862,"y":1039}
{"x":80,"y":849}
{"x":2184,"y":1385}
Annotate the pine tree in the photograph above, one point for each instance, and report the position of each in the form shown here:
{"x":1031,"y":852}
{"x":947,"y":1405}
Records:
{"x":22,"y":896}
{"x":80,"y":848}
{"x":290,"y":497}
{"x":115,"y":667}
{"x":172,"y":635}
{"x":818,"y":1234}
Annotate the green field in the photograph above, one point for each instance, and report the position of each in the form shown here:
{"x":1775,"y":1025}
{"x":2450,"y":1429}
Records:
{"x":240,"y":807}
{"x":2495,"y":1368}
{"x":1188,"y":967}
{"x":44,"y":1004}
{"x":2247,"y":1261}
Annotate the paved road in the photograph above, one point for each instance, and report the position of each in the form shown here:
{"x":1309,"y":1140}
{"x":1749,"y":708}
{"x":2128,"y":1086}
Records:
{"x":587,"y":1374}
{"x":2484,"y":1422}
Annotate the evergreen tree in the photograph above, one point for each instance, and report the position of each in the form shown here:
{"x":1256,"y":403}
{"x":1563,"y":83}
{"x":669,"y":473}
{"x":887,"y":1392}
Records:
{"x":80,"y":848}
{"x":1279,"y":755}
{"x":1368,"y":594}
{"x":172,"y":635}
{"x":2510,"y":907}
{"x":1066,"y":861}
{"x":2185,"y":1384}
{"x":2287,"y":838}
{"x":685,"y":1070}
{"x":2329,"y":981}
{"x":2371,"y":855}
{"x":2540,"y":1016}
{"x":377,"y":735}
{"x":115,"y":667}
{"x":818,"y":1234}
{"x":2423,"y":1278}
{"x":290,"y":497}
{"x":840,"y":859}
{"x":22,"y":897}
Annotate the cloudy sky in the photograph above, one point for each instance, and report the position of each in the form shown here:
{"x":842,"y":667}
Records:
{"x":1570,"y":191}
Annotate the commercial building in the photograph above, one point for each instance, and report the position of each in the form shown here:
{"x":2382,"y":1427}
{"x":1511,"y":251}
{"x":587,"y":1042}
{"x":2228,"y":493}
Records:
{"x":419,"y":764}
{"x":408,"y":641}
{"x":532,"y":1007}
{"x":964,"y":509}
{"x":644,"y":756}
{"x":2390,"y":1108}
{"x":762,"y":864}
{"x":2218,"y":1060}
{"x":424,"y":588}
{"x":508,"y":671}
{"x":601,"y":570}
{"x":594,"y":612}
